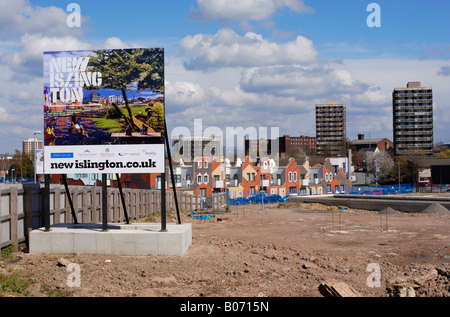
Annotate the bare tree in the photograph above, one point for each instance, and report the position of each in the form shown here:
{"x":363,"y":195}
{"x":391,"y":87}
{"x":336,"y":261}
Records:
{"x":415,"y":159}
{"x":382,"y":160}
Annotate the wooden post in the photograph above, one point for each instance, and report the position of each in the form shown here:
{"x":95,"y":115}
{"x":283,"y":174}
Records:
{"x":14,"y":217}
{"x":57,"y":205}
{"x":28,"y":210}
{"x":84,"y":213}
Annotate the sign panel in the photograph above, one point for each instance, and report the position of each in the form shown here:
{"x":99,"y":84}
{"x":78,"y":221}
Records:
{"x":104,"y":159}
{"x":39,"y":161}
{"x":96,"y":103}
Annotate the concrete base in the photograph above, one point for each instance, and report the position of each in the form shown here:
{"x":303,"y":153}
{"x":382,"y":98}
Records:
{"x":120,"y":239}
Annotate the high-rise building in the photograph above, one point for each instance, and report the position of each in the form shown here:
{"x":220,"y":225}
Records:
{"x":330,"y":129}
{"x":31,"y":145}
{"x":413,"y":118}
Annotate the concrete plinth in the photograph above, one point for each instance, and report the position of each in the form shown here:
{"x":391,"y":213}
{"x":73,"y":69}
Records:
{"x":120,"y":239}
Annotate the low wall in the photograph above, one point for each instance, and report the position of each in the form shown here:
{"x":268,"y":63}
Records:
{"x":399,"y":203}
{"x":21,"y":206}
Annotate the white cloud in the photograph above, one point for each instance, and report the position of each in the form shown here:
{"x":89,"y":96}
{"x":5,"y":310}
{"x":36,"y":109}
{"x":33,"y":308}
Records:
{"x":228,"y":49}
{"x":183,"y":94}
{"x":301,"y":82}
{"x":238,"y":10}
{"x":4,"y":117}
{"x":114,"y":43}
{"x":26,"y":61}
{"x":19,"y":16}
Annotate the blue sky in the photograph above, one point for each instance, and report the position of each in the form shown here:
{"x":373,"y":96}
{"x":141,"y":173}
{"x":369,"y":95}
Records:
{"x":260,"y":63}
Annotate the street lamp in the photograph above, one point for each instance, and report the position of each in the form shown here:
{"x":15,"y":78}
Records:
{"x":13,"y":174}
{"x":34,"y":163}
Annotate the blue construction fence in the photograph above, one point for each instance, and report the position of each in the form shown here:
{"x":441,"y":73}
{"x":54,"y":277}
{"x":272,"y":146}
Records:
{"x":262,"y":197}
{"x":14,"y":180}
{"x":382,"y":189}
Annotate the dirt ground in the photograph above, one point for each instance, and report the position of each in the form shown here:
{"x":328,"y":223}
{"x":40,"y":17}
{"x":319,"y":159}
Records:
{"x":275,"y":250}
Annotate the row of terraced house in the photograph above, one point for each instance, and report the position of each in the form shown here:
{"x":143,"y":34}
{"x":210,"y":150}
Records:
{"x":206,"y":175}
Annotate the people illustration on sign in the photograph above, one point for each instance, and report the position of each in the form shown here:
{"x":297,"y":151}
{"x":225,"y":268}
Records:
{"x":75,"y":126}
{"x":128,"y":131}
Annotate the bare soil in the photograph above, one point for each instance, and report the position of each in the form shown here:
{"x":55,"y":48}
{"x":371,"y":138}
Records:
{"x":275,"y":250}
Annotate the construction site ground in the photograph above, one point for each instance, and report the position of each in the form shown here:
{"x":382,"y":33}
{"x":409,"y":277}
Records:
{"x":272,"y":250}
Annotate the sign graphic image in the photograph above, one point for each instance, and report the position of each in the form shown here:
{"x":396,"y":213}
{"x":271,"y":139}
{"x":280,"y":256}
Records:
{"x":98,"y":98}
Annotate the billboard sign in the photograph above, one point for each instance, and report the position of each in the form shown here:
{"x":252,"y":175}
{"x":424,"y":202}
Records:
{"x":104,"y":111}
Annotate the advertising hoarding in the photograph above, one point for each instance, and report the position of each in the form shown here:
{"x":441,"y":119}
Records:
{"x":104,"y":111}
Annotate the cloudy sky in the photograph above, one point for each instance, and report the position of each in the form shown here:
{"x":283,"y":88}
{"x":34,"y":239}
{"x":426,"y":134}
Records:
{"x":234,"y":63}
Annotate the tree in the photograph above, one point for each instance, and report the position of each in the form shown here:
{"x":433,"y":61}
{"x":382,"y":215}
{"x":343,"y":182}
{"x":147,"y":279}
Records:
{"x":415,"y":159}
{"x":155,"y":117}
{"x":444,"y":154}
{"x":383,"y":160}
{"x":126,"y":68}
{"x":295,"y":153}
{"x":359,"y":158}
{"x":23,"y":164}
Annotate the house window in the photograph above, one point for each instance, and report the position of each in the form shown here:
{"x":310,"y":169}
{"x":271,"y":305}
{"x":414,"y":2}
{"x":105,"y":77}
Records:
{"x":206,"y":164}
{"x":227,"y":177}
{"x":188,"y":177}
{"x":295,"y":176}
{"x":290,"y":176}
{"x":206,"y":178}
{"x":248,"y":177}
{"x":199,"y":179}
{"x":177,"y":178}
{"x":252,"y":190}
{"x":199,"y":164}
{"x":253,"y":177}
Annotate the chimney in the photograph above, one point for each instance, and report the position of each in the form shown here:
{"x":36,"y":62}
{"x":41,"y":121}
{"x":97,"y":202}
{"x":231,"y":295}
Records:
{"x":413,"y":84}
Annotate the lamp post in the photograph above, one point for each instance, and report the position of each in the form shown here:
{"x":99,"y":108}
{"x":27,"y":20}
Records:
{"x":13,"y":175}
{"x":34,"y":163}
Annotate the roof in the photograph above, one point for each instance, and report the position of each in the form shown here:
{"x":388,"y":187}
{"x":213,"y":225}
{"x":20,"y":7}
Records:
{"x":367,"y":141}
{"x":435,"y":161}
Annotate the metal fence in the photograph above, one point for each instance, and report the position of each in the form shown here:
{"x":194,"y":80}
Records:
{"x":262,"y":197}
{"x":392,"y":189}
{"x":433,"y":188}
{"x":17,"y":180}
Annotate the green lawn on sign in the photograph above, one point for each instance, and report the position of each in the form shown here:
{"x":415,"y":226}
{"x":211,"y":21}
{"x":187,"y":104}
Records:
{"x":116,"y":125}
